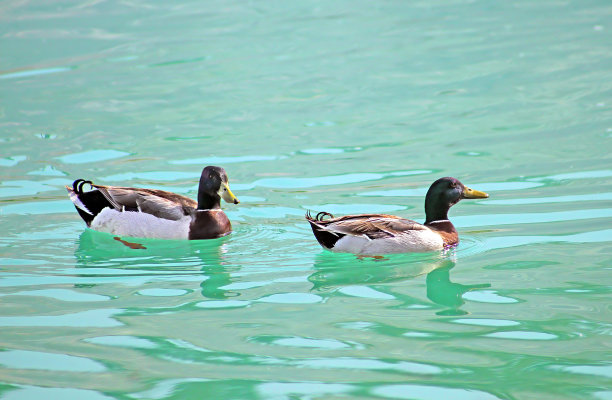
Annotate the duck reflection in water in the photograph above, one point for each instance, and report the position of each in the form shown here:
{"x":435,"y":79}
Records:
{"x":334,"y":272}
{"x":442,"y":291}
{"x":205,"y":258}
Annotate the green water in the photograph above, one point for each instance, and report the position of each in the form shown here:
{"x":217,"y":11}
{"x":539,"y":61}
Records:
{"x":339,"y":106}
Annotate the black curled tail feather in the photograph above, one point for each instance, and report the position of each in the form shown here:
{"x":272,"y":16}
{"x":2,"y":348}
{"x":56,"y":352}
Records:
{"x":319,"y":217}
{"x":88,"y":204}
{"x":77,"y":186}
{"x":325,"y":238}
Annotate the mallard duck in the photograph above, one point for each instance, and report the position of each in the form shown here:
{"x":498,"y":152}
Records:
{"x":375,"y":234}
{"x":156,"y":213}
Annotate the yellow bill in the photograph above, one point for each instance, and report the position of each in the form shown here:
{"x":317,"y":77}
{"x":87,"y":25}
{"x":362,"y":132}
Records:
{"x":474,"y":194}
{"x":227,"y":194}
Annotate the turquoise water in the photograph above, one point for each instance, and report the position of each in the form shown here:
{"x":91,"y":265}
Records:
{"x":346,"y":107}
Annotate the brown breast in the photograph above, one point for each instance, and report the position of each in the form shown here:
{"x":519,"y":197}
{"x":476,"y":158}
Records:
{"x":447,"y":230}
{"x":209,"y":225}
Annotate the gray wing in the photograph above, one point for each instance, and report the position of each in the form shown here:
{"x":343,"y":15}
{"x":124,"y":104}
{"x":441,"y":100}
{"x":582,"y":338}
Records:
{"x":372,"y":226}
{"x":160,"y":203}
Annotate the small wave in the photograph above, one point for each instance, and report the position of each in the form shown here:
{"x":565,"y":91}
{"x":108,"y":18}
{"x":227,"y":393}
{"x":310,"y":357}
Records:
{"x":502,"y":242}
{"x":487,"y":187}
{"x":34,"y":72}
{"x":225,"y":160}
{"x":530,"y":218}
{"x":605,"y":173}
{"x":92,"y":156}
{"x":554,"y":199}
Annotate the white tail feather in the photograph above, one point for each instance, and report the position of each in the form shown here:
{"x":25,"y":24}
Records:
{"x":78,"y":203}
{"x":323,"y":228}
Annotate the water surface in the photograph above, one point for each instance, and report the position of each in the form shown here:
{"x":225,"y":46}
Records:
{"x":346,"y":107}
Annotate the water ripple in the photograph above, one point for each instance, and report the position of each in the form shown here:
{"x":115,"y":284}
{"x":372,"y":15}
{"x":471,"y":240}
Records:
{"x":324,"y":150}
{"x":17,"y":188}
{"x":302,"y":342}
{"x":365,"y":292}
{"x":164,"y":389}
{"x":122,"y":341}
{"x":24,"y":359}
{"x":223,"y":304}
{"x":101,"y":318}
{"x":91,"y":156}
{"x":553,"y":199}
{"x":34,"y":72}
{"x":289,"y":390}
{"x":159,"y":292}
{"x":292,"y":298}
{"x":596,"y":370}
{"x":421,"y":192}
{"x":530,"y":218}
{"x":301,"y":183}
{"x":61,"y":294}
{"x":225,"y":160}
{"x":515,"y":241}
{"x":345,"y":209}
{"x":486,"y":322}
{"x":576,"y":175}
{"x":26,"y":392}
{"x":169,"y":176}
{"x":422,"y":392}
{"x":522,"y":335}
{"x":488,"y":296}
{"x":12,"y":161}
{"x":370,"y":364}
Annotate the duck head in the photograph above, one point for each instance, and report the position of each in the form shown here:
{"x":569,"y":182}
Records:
{"x":445,"y":193}
{"x":214,"y":186}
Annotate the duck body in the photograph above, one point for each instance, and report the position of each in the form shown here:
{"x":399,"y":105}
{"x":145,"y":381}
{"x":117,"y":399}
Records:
{"x":375,"y":234}
{"x":152,"y":213}
{"x":372,"y":234}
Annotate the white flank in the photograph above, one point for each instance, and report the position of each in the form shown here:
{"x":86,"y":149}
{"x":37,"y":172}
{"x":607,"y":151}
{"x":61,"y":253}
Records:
{"x":138,"y":224}
{"x":408,"y":242}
